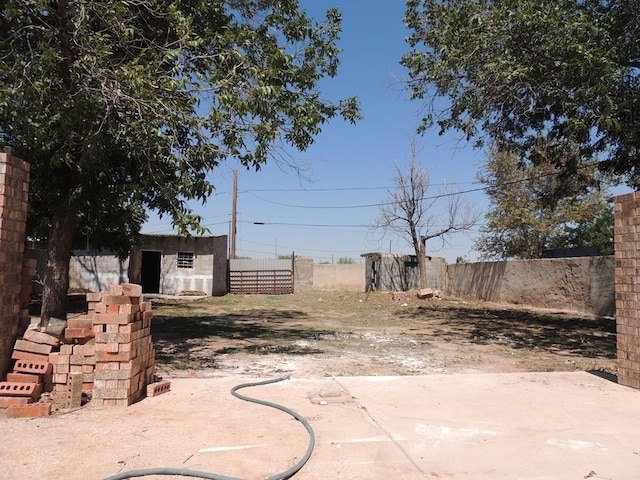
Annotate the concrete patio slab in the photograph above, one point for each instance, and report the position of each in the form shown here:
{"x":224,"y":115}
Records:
{"x":490,"y":426}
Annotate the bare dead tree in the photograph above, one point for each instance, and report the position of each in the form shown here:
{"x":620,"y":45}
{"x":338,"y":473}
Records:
{"x":417,"y":215}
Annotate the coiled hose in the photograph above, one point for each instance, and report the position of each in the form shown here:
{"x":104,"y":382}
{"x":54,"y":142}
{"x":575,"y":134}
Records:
{"x":197,"y":474}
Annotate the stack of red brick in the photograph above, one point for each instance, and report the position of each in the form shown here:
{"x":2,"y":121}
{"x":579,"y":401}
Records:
{"x":31,"y":375}
{"x":124,"y":354}
{"x":108,"y":355}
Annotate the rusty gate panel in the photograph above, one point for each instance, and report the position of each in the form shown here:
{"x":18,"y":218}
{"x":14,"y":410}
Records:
{"x":266,"y":276}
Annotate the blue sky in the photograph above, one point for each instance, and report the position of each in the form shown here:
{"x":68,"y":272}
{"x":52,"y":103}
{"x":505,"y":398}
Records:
{"x":349,"y":167}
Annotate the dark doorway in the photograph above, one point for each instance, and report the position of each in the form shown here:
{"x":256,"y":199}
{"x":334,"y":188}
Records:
{"x":150,"y":275}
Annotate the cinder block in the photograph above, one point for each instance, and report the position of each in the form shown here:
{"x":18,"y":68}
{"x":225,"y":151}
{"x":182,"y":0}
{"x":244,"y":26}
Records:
{"x":155,"y":389}
{"x":40,"y":409}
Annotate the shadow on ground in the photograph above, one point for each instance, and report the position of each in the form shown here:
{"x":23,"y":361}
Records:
{"x":193,"y":340}
{"x":555,"y":332}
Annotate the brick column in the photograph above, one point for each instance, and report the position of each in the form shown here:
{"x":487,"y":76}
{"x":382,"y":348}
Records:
{"x":14,"y":188}
{"x":627,"y":256}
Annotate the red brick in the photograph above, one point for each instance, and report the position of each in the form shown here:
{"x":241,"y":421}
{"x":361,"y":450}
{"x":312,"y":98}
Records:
{"x":6,"y":402}
{"x":88,"y":349}
{"x":145,"y":306}
{"x":107,"y":366}
{"x":113,"y":357}
{"x":20,"y":389}
{"x":66,"y":349}
{"x":116,"y":300}
{"x":82,"y":360}
{"x":103,"y":375}
{"x":110,"y":393}
{"x":24,"y":377}
{"x":112,"y":318}
{"x":32,"y":347}
{"x":41,"y":337}
{"x":31,"y":366}
{"x":114,"y":337}
{"x":115,"y":289}
{"x":40,"y":409}
{"x":94,"y":296}
{"x":131,"y":289}
{"x":74,"y":390}
{"x":155,"y":389}
{"x":130,"y":327}
{"x":83,"y":321}
{"x":79,"y":333}
{"x":128,"y":308}
{"x":87,"y":368}
{"x":61,"y":368}
{"x":28,"y":356}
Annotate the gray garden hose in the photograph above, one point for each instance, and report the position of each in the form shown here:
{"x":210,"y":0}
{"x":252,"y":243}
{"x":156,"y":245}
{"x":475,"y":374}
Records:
{"x":196,"y":474}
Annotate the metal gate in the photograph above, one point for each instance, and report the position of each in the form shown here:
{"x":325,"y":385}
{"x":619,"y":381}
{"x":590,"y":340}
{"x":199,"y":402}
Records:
{"x":266,"y":276}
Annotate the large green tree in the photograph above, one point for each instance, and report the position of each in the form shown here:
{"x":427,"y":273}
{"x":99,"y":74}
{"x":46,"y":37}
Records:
{"x":534,"y":208}
{"x":518,"y":70}
{"x":122,"y":106}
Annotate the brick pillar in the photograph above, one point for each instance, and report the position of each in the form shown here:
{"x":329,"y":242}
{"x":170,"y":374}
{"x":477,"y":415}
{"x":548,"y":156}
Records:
{"x":627,"y":256}
{"x":14,"y":188}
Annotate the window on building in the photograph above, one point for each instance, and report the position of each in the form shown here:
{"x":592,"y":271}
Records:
{"x":185,"y":259}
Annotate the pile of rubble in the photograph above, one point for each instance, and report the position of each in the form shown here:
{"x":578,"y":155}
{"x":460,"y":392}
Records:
{"x":106,"y":356}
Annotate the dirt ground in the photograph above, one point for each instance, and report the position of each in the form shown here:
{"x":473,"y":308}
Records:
{"x":313,"y":338}
{"x":322,"y":334}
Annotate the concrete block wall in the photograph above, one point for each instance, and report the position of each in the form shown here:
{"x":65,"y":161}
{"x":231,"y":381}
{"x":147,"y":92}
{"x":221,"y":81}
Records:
{"x":582,"y":284}
{"x":627,"y":258}
{"x":14,"y":189}
{"x":331,"y":276}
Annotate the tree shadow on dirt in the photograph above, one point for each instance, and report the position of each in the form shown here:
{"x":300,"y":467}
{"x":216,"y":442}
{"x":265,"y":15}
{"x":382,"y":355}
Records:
{"x":193,"y":341}
{"x":521,"y":329}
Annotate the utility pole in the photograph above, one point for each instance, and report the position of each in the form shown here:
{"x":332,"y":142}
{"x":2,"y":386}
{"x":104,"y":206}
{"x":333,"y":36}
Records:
{"x":232,"y":253}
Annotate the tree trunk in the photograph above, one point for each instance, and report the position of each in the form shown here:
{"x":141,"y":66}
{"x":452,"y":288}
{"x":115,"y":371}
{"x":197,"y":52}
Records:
{"x":56,"y":275}
{"x":422,"y":262}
